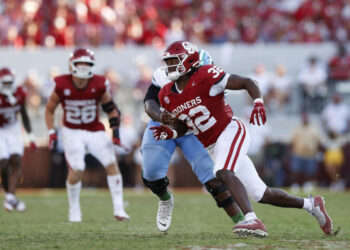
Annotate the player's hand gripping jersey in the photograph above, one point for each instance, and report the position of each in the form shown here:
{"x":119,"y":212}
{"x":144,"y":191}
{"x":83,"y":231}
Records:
{"x":201,"y":103}
{"x":10,"y":105}
{"x":81,"y":105}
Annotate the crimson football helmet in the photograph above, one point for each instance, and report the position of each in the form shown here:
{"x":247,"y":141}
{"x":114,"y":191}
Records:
{"x":82,"y":55}
{"x":7,"y":79}
{"x":187,"y":55}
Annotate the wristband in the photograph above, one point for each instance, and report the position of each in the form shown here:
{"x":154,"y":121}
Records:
{"x":258,"y":100}
{"x":52,"y":131}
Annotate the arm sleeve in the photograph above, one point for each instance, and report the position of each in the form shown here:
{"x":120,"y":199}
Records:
{"x":152,"y":93}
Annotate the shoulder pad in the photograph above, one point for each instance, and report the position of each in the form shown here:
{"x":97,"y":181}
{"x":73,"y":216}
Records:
{"x":160,"y":78}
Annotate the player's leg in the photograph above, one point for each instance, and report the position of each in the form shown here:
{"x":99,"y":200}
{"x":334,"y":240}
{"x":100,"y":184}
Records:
{"x":15,"y":148}
{"x":100,"y":146}
{"x":203,"y":166}
{"x":231,"y":146}
{"x":156,"y":156}
{"x":259,"y":192}
{"x":74,"y":152}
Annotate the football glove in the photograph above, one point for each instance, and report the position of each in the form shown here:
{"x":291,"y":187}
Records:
{"x":116,"y":139}
{"x":52,"y":139}
{"x":163,"y":133}
{"x":258,"y":114}
{"x":32,"y":144}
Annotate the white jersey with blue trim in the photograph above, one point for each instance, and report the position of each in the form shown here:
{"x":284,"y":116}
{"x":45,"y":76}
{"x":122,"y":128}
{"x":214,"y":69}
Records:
{"x":160,"y":78}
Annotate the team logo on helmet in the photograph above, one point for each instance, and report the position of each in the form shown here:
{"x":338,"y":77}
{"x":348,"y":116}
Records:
{"x":166,"y":100}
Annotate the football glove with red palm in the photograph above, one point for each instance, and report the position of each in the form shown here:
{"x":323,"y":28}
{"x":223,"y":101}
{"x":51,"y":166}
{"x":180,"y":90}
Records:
{"x":32,"y":143}
{"x":116,"y":139}
{"x":163,"y":133}
{"x":258,"y":114}
{"x":52,"y":139}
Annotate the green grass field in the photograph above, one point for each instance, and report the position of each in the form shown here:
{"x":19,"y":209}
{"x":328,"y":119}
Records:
{"x":197,"y":224}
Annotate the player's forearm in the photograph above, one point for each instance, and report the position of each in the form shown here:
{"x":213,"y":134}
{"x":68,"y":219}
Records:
{"x":49,"y":119}
{"x":152,"y":109}
{"x":114,"y":114}
{"x":26,"y":121}
{"x":253,"y":89}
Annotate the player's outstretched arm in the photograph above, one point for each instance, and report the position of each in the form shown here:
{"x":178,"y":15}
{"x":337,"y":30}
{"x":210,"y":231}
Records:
{"x":236,"y":82}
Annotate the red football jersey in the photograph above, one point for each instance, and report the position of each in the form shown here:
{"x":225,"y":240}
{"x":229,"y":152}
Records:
{"x":205,"y":115}
{"x":8,"y":111}
{"x":80,"y":106}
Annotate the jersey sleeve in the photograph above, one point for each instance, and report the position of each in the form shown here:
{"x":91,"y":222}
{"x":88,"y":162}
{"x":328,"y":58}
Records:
{"x":219,"y":86}
{"x":161,"y":96}
{"x":152,"y":93}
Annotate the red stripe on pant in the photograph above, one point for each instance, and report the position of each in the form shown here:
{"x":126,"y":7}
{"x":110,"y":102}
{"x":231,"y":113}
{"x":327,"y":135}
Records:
{"x":239,"y":147}
{"x":233,"y":145}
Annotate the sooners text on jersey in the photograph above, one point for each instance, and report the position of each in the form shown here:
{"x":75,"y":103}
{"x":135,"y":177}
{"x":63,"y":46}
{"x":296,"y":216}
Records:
{"x":206,"y":116}
{"x":8,"y":111}
{"x":81,"y":105}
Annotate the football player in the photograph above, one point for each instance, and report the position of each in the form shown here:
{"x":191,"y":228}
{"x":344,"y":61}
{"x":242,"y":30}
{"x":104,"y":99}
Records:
{"x":156,"y":157}
{"x":12,"y":102}
{"x":80,"y":94}
{"x":196,"y":96}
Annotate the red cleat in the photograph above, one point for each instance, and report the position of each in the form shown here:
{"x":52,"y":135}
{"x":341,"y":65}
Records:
{"x":319,"y":212}
{"x":253,"y":227}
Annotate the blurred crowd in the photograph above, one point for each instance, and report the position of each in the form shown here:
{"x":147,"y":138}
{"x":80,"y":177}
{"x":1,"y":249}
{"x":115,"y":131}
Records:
{"x":52,"y":23}
{"x":311,"y":156}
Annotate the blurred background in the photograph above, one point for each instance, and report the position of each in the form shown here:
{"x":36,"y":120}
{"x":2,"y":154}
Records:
{"x":297,"y":50}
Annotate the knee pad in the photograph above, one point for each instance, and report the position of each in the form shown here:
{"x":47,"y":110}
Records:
{"x":221,"y":195}
{"x":158,"y":186}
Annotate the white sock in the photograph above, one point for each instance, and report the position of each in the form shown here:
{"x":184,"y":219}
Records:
{"x":307,"y":204}
{"x":115,"y":184}
{"x":250,"y":216}
{"x":73,"y":191}
{"x":10,"y":197}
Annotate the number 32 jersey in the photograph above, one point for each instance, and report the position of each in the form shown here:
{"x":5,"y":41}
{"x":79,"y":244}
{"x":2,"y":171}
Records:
{"x":201,"y":103}
{"x":80,"y":106}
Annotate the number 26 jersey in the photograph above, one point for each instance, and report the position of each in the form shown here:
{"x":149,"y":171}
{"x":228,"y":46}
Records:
{"x":80,"y":106}
{"x":201,"y":104}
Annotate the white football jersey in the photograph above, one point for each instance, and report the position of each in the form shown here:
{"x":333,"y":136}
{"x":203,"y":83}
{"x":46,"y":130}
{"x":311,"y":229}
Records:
{"x":160,"y":78}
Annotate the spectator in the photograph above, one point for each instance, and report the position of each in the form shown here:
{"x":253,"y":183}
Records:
{"x":336,"y":116}
{"x":312,"y":79}
{"x":280,"y":88}
{"x":263,"y":78}
{"x":305,"y":143}
{"x":334,"y":159}
{"x":339,"y":67}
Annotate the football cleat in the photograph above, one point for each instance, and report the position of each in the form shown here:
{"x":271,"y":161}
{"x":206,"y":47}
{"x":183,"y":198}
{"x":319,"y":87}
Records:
{"x":165,"y":209}
{"x":121,"y":215}
{"x":74,"y":215}
{"x":11,"y":205}
{"x":318,"y":210}
{"x":252,"y":227}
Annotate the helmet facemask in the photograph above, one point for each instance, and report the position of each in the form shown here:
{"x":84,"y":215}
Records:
{"x":180,"y":68}
{"x":7,"y":84}
{"x":82,"y":68}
